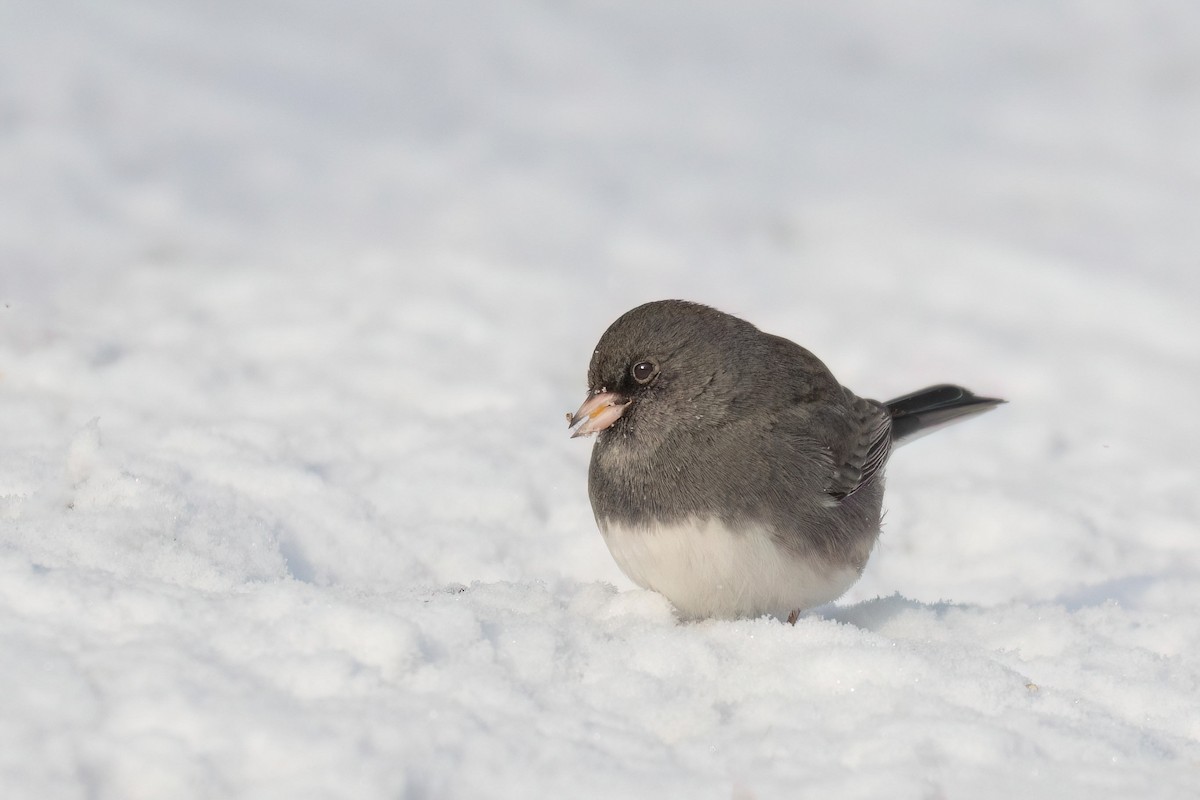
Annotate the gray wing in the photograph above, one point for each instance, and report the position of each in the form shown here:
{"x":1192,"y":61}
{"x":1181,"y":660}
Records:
{"x":867,"y":447}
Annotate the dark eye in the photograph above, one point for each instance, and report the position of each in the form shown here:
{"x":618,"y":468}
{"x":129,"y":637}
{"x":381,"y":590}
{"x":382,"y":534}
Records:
{"x":643,"y":371}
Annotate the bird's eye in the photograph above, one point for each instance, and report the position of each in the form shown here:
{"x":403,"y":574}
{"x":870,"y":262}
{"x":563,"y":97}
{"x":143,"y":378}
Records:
{"x":643,"y":371}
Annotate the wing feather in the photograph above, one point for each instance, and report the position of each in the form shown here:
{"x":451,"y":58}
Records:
{"x":869,"y":445}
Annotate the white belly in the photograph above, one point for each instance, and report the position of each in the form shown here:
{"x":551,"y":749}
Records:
{"x":706,"y":570}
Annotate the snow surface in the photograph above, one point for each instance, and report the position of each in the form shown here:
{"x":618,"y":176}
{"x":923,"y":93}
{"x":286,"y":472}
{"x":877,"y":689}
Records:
{"x":295,"y":296}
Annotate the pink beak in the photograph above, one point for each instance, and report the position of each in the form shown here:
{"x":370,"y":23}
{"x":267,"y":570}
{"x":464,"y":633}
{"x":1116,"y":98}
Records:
{"x":597,"y":412}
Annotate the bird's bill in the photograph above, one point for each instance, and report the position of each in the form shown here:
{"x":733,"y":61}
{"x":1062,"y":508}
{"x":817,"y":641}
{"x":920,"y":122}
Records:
{"x":598,"y":412}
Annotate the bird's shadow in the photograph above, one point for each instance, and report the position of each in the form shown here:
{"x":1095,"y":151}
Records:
{"x":871,"y":615}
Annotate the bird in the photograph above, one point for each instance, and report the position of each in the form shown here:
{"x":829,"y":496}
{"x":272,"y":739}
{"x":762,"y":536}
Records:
{"x":731,"y":472}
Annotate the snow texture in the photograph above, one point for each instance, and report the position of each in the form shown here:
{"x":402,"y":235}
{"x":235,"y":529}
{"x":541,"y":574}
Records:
{"x":295,"y":296}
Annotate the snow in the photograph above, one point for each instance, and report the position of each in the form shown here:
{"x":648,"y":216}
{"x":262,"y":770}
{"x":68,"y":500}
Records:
{"x":294,"y":298}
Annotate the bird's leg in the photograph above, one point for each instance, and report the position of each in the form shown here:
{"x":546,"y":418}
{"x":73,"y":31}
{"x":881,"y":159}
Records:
{"x":793,"y":616}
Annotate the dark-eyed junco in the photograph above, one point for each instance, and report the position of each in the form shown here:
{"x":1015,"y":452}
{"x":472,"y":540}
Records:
{"x":731,"y":471}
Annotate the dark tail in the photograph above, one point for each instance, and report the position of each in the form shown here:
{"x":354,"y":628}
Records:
{"x":924,"y":411}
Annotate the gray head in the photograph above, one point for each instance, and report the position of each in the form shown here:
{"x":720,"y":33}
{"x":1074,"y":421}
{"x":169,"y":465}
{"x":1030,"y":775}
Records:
{"x":671,"y":365}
